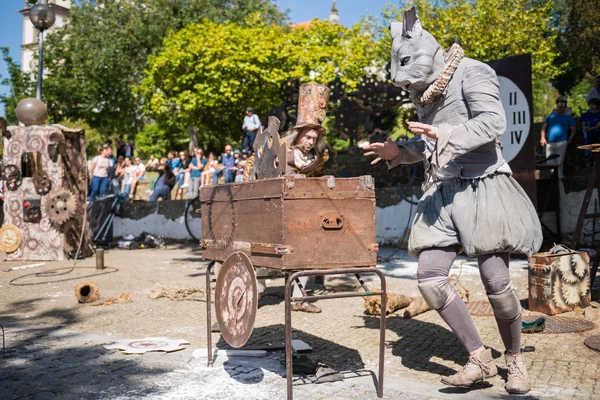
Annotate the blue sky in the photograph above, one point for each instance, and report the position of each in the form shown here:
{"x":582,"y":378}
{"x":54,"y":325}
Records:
{"x":300,"y":10}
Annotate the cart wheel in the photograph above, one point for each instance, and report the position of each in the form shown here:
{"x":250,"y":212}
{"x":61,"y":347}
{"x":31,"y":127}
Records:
{"x":236,"y":299}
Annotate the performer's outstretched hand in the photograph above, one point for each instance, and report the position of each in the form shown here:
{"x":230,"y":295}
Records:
{"x":423,"y":129}
{"x":384,"y":151}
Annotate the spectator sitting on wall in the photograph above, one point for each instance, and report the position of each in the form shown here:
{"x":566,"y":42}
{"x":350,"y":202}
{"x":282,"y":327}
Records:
{"x":240,"y":164}
{"x":111,"y":170}
{"x":152,"y":164}
{"x":99,"y":168}
{"x":594,"y":92}
{"x":558,"y":130}
{"x":180,"y":172}
{"x":227,"y":165}
{"x":209,"y":170}
{"x":140,"y":169}
{"x":118,"y":175}
{"x":129,"y":178}
{"x":164,"y":184}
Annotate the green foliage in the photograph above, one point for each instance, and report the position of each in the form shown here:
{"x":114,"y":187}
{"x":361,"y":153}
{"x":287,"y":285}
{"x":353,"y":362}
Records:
{"x":489,"y":29}
{"x":152,"y":140}
{"x":544,"y":99}
{"x":94,"y":62}
{"x":578,"y":95}
{"x":208,"y":73}
{"x":21,"y":84}
{"x":582,"y":33}
{"x":93,"y":140}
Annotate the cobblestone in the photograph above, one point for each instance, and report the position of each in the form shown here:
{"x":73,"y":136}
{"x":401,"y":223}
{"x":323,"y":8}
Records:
{"x":54,"y":344}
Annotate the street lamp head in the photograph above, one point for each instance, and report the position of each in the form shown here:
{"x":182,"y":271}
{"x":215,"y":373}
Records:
{"x":42,"y":16}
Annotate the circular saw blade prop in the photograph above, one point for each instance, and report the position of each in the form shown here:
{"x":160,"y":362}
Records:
{"x":270,"y":158}
{"x":12,"y":177}
{"x":60,"y":206}
{"x":42,"y":182}
{"x":236,"y":299}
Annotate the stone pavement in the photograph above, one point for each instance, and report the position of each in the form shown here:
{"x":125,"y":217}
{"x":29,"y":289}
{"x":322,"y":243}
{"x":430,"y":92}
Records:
{"x":54,"y":344}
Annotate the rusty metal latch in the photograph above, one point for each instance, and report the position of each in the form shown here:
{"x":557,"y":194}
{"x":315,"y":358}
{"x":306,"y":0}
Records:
{"x":374,"y":248}
{"x":367,"y":181}
{"x":332,"y":221}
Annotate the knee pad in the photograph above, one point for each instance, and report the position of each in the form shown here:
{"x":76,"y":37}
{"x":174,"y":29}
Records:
{"x":437,"y":292}
{"x":506,"y":304}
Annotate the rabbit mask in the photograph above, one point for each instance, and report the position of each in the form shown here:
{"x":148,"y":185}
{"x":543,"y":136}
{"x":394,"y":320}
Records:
{"x":417,"y":58}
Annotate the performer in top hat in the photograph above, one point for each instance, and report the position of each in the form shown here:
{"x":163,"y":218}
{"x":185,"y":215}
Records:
{"x":306,"y":154}
{"x":307,"y":148}
{"x":471,"y":202}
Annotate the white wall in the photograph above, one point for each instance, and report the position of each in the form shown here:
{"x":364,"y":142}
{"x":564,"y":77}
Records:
{"x":391,"y":224}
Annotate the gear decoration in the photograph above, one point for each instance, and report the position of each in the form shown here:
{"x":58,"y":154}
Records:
{"x":42,"y":182}
{"x":141,"y":346}
{"x":60,"y":206}
{"x":12,"y":177}
{"x":10,"y":238}
{"x":236,"y":299}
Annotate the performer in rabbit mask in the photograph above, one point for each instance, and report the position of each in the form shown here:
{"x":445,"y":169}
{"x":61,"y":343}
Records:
{"x":470,"y":201}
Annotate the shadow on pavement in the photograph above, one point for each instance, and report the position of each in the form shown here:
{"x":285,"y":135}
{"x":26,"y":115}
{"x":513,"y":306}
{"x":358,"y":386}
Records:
{"x":332,"y":354}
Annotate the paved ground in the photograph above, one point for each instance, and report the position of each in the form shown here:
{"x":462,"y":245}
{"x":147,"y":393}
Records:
{"x":54,"y":344}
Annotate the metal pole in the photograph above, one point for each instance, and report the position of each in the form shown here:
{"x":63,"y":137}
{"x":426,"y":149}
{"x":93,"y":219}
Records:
{"x":40,"y":64}
{"x":100,"y":259}
{"x":208,"y":316}
{"x":289,"y":371}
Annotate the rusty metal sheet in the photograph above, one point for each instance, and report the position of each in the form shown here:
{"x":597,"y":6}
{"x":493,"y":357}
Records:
{"x":269,"y":152}
{"x":236,"y":299}
{"x":593,"y":342}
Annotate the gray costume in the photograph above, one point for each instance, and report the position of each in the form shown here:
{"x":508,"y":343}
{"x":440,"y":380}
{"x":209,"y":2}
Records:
{"x":471,"y":200}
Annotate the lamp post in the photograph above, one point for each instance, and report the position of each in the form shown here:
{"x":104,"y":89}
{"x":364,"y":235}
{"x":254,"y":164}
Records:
{"x":42,"y":17}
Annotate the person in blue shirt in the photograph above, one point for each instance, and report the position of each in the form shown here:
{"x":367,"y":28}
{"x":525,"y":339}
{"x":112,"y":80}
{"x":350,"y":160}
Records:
{"x":557,"y":132}
{"x":227,"y":166}
{"x":590,"y":121}
{"x":196,"y":167}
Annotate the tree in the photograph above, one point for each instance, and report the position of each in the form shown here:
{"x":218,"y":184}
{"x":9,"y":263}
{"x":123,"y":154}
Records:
{"x":21,"y":87}
{"x":582,"y":33}
{"x":94,"y":62}
{"x":208,"y":73}
{"x":490,"y":29}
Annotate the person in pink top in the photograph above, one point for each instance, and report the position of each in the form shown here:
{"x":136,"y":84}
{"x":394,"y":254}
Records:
{"x":100,"y":167}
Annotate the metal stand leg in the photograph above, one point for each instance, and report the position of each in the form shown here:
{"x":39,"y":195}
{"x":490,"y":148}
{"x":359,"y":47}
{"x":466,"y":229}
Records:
{"x":288,"y":316}
{"x":208,"y":315}
{"x":3,"y":342}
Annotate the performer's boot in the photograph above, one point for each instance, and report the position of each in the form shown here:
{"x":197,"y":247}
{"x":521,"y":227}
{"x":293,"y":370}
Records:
{"x":306,"y":307}
{"x":479,"y":367}
{"x":518,"y":380}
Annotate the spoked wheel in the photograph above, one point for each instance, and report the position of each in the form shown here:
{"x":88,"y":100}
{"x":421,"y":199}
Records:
{"x":193,"y":213}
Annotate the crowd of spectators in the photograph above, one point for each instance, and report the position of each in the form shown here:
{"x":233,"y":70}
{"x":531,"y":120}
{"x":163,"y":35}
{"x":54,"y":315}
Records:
{"x":187,"y":173}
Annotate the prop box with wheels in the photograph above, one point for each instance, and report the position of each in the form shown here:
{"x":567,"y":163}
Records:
{"x":299,"y":225}
{"x":45,"y":178}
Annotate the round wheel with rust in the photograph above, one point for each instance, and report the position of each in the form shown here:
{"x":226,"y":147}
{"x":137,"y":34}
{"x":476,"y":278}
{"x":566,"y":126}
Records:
{"x":236,"y":299}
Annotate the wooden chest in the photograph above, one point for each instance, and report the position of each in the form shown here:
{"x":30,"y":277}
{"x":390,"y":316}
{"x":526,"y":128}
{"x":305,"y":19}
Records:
{"x":292,"y":223}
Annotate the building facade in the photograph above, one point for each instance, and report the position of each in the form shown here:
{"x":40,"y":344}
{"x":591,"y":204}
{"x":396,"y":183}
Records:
{"x":29,"y":43}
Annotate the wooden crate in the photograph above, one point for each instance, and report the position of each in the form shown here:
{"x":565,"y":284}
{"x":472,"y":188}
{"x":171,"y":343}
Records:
{"x":292,"y":223}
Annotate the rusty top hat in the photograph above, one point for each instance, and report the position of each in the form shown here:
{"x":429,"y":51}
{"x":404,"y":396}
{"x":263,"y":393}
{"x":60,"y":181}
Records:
{"x":312,"y":106}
